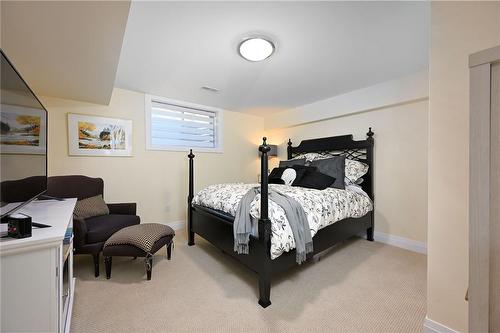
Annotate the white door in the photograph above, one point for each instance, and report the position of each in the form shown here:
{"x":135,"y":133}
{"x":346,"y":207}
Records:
{"x":494,"y":292}
{"x":484,"y":192}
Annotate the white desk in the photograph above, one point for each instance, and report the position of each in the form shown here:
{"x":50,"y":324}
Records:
{"x":36,"y":287}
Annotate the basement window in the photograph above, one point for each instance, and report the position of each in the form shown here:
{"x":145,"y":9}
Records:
{"x":180,"y":126}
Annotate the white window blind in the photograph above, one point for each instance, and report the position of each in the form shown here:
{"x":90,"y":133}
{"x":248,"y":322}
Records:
{"x":172,"y":125}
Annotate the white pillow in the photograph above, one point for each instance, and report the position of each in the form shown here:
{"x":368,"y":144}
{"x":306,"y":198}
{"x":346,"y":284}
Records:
{"x":289,"y":176}
{"x":354,"y":170}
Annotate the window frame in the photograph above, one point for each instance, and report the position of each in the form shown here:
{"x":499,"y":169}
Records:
{"x":218,"y":126}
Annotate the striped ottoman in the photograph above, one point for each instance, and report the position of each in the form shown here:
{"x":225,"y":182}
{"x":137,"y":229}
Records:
{"x":141,"y":240}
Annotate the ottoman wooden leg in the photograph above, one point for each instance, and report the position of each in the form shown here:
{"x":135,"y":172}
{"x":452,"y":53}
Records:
{"x":169,"y":250}
{"x":149,"y":265}
{"x":107,"y":262}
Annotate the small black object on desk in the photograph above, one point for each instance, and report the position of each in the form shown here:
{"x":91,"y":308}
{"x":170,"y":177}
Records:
{"x":19,"y":225}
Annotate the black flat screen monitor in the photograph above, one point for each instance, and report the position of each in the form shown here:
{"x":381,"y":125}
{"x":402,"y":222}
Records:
{"x":23,"y":141}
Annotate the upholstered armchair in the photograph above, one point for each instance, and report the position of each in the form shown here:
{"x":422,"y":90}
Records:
{"x":90,"y":234}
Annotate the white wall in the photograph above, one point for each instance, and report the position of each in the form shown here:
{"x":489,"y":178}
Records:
{"x":398,"y":113}
{"x":156,"y":180}
{"x":402,"y":90}
{"x":457,"y":30}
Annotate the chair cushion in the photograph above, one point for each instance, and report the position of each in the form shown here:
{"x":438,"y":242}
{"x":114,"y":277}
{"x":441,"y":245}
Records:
{"x":100,"y":228}
{"x":90,"y":207}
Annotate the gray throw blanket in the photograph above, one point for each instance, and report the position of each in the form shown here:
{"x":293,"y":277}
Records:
{"x":295,"y":215}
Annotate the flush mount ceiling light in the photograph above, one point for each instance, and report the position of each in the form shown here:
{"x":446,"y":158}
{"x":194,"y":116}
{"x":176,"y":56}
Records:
{"x":256,"y":49}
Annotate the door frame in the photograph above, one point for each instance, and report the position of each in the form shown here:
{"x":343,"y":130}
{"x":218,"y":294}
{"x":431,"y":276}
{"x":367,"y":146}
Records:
{"x":479,"y":187}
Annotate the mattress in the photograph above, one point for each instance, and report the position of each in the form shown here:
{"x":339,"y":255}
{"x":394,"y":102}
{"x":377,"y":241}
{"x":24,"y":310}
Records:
{"x":322,"y":208}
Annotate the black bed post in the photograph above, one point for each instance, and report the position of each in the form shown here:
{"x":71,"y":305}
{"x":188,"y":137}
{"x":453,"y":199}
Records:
{"x":190,"y":199}
{"x":369,"y":157}
{"x":264,"y":230}
{"x":289,"y":149}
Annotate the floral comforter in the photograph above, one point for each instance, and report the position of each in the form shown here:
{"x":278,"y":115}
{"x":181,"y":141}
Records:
{"x":322,"y":208}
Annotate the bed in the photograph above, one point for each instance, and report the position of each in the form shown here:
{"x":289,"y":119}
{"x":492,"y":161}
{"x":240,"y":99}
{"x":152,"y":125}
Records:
{"x":270,"y":253}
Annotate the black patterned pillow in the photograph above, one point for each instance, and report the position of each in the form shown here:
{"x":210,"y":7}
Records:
{"x":90,"y":207}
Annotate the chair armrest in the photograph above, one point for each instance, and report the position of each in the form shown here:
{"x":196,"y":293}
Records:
{"x":79,"y":232}
{"x":123,"y":208}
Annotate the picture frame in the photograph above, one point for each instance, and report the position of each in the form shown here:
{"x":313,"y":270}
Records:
{"x":90,"y":135}
{"x":24,"y":130}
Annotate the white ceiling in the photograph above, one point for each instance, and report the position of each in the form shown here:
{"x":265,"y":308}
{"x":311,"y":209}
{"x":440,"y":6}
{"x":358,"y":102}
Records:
{"x":67,"y":49}
{"x":323,"y":49}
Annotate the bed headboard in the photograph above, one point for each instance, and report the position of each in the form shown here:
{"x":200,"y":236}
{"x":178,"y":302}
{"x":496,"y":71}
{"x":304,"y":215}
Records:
{"x":342,"y":145}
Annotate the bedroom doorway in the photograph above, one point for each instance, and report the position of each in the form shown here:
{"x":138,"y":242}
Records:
{"x":484,"y":192}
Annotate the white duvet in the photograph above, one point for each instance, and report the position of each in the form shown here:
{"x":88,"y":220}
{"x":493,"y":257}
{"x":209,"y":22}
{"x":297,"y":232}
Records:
{"x":322,"y":208}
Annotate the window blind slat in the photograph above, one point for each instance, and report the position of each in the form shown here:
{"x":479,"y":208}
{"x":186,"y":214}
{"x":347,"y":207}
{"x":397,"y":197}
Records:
{"x":182,"y":143}
{"x":164,"y":106}
{"x":182,"y":129}
{"x":183,"y":117}
{"x":180,"y":114}
{"x":181,"y":125}
{"x":183,"y":136}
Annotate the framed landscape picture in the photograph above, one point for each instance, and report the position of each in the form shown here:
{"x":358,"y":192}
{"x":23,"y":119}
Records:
{"x":23,"y":130}
{"x":99,"y":136}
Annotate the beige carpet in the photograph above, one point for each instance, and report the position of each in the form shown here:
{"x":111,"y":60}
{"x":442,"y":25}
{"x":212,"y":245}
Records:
{"x":359,"y":286}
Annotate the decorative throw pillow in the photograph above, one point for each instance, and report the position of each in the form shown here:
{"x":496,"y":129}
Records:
{"x":315,"y":180}
{"x":333,"y":167}
{"x":90,"y":207}
{"x":276,"y":172}
{"x":275,"y":180}
{"x":289,"y":176}
{"x":301,"y":171}
{"x":354,"y":170}
{"x":290,"y":163}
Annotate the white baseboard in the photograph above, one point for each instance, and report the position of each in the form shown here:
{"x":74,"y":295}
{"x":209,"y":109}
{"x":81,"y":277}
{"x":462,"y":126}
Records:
{"x":405,"y":243}
{"x":431,"y":326}
{"x":176,"y":225}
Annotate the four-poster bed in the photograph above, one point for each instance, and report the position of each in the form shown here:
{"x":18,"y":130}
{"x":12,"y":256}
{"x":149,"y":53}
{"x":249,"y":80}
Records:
{"x":217,"y":227}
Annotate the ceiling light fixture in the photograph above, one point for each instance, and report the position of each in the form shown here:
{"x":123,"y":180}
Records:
{"x":256,"y":49}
